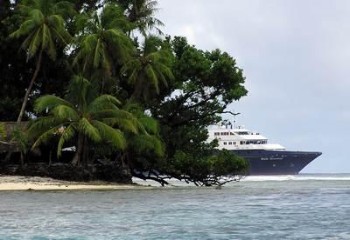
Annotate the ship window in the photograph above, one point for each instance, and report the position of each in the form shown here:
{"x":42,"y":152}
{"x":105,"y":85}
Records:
{"x":229,"y":143}
{"x":242,"y":142}
{"x":216,"y":133}
{"x":243,"y":133}
{"x":231,"y":133}
{"x":234,"y":143}
{"x":225,"y":143}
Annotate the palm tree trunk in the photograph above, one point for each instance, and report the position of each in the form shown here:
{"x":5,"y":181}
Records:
{"x":80,"y":148}
{"x":126,"y":163}
{"x":85,"y":153}
{"x":29,"y":89}
{"x":137,"y":94}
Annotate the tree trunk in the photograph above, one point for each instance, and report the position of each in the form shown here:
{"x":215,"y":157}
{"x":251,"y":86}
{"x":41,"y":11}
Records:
{"x":50,"y":158}
{"x":126,"y":163}
{"x":138,"y":89}
{"x":80,"y":148}
{"x":29,"y":89}
{"x":85,"y":153}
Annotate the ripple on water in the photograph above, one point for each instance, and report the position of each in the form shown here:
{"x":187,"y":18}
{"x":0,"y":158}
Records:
{"x":262,"y":210}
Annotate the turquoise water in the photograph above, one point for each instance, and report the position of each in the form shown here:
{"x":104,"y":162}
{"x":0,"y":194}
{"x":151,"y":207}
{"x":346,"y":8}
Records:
{"x":288,"y":207}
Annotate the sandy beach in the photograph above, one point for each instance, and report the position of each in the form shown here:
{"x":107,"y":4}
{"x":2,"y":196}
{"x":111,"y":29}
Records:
{"x":21,"y":183}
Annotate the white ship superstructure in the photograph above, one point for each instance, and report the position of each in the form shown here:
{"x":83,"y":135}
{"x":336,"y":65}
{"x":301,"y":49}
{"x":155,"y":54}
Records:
{"x":240,"y":138}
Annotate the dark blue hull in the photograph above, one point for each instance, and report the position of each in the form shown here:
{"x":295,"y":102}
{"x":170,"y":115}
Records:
{"x":275,"y":162}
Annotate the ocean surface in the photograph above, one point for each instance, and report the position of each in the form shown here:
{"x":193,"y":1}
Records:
{"x":284,"y":207}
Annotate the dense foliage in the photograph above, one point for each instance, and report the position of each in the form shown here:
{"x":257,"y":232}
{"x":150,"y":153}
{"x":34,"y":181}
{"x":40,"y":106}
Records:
{"x":102,"y":77}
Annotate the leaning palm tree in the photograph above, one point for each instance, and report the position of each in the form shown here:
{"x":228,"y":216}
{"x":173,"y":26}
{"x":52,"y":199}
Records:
{"x":143,"y":149}
{"x":101,"y":42}
{"x":43,"y":30}
{"x":149,"y":68}
{"x":82,"y":114}
{"x":147,"y":139}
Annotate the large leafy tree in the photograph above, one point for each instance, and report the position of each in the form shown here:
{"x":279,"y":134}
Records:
{"x":83,"y":115}
{"x":205,"y":83}
{"x":43,"y":29}
{"x":149,"y":68}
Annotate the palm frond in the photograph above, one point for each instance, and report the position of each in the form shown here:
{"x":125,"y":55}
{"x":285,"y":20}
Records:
{"x":65,"y":112}
{"x":25,"y":28}
{"x":37,"y":16}
{"x":113,"y":136}
{"x":64,"y":8}
{"x":113,"y":17}
{"x":44,"y":137}
{"x":149,"y":124}
{"x":48,"y":102}
{"x":143,"y":143}
{"x":67,"y":134}
{"x":128,"y":125}
{"x":85,"y":127}
{"x":43,"y":124}
{"x":103,"y":102}
{"x":81,"y":22}
{"x":152,"y":77}
{"x":98,"y":54}
{"x":120,"y":119}
{"x":77,"y":92}
{"x":47,"y":42}
{"x":57,"y":24}
{"x":34,"y":42}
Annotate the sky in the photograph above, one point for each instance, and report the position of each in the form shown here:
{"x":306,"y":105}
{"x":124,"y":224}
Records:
{"x":295,"y":55}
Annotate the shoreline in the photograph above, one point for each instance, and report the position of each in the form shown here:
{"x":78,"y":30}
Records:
{"x":23,"y":183}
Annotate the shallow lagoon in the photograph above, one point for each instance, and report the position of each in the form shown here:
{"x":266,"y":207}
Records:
{"x":286,"y":207}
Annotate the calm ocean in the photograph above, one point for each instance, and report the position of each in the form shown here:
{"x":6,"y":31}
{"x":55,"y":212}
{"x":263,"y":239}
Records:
{"x":286,"y":207}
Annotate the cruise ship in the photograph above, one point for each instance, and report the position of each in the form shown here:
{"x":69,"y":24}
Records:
{"x":264,"y":158}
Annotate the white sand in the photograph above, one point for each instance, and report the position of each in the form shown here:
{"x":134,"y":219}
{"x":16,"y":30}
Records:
{"x":14,"y":183}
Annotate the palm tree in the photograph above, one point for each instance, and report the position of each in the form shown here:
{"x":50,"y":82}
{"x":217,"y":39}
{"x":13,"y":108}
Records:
{"x":148,"y":138}
{"x":85,"y":114}
{"x":149,"y":68}
{"x":141,"y":14}
{"x":43,"y":30}
{"x":144,"y":148}
{"x":102,"y":42}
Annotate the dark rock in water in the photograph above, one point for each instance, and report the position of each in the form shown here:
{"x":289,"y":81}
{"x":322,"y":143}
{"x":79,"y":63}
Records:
{"x":94,"y":172}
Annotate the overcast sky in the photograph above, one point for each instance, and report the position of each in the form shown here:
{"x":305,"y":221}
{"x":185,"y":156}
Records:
{"x":296,"y":59}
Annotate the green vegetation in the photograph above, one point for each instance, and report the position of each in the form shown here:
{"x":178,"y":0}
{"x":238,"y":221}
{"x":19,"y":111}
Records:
{"x":2,"y":131}
{"x":104,"y":79}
